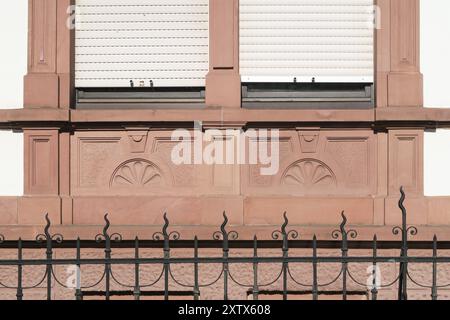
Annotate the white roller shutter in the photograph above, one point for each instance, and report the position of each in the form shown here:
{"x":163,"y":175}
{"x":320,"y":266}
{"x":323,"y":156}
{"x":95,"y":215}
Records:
{"x":328,"y":40}
{"x":163,"y":42}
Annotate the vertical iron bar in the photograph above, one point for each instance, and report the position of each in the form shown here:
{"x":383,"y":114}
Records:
{"x":285,"y":265}
{"x":224,"y":236}
{"x":374,"y":270}
{"x":137,"y":287}
{"x":19,"y":293}
{"x":78,"y":294}
{"x":402,"y":294}
{"x":315,"y":288}
{"x":255,"y":269}
{"x":107,"y":266}
{"x":403,"y":286}
{"x":400,"y":281}
{"x":166,"y":266}
{"x":196,"y":284}
{"x":49,"y":253}
{"x":434,"y":294}
{"x":344,"y":250}
{"x":225,"y":265}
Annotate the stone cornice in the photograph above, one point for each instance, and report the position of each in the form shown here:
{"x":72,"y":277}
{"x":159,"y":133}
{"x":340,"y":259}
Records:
{"x":429,"y":118}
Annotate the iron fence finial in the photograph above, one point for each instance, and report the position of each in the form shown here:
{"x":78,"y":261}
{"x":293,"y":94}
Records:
{"x":105,"y":236}
{"x":404,"y":229}
{"x":223,"y":234}
{"x":47,"y":236}
{"x":224,"y":224}
{"x":166,"y":226}
{"x":164,"y":234}
{"x":283,"y":233}
{"x":343,"y":232}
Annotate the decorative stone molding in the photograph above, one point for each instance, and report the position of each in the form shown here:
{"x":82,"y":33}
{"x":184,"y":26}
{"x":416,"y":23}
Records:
{"x":138,"y":139}
{"x":137,"y":173}
{"x":309,"y":174}
{"x":309,"y":140}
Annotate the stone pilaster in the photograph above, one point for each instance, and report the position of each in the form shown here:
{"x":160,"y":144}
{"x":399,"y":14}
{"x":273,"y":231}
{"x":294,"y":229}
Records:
{"x":223,"y":85}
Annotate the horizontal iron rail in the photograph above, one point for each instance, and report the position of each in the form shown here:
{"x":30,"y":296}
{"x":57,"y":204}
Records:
{"x":124,"y":293}
{"x":240,"y":244}
{"x":219,"y":260}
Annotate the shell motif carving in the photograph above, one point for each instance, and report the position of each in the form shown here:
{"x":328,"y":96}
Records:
{"x":137,"y":173}
{"x":310,"y":174}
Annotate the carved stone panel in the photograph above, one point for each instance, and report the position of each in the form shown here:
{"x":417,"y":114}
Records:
{"x":353,"y":155}
{"x":139,"y":162}
{"x":183,"y":175}
{"x":327,"y":162}
{"x":332,"y":162}
{"x":41,"y":162}
{"x":406,"y":161}
{"x":288,"y":142}
{"x":92,"y":156}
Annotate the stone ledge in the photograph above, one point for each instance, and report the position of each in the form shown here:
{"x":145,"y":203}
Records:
{"x":441,"y":117}
{"x":221,"y":114}
{"x":427,"y":117}
{"x":18,"y":118}
{"x":21,"y":216}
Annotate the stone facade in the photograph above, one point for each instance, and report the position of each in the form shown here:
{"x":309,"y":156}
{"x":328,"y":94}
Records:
{"x":80,"y":164}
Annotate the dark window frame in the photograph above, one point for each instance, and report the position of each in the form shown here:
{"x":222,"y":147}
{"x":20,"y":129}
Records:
{"x":308,"y":95}
{"x":140,"y":97}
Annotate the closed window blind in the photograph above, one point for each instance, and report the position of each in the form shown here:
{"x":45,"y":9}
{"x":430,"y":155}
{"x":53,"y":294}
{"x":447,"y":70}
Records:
{"x":307,"y":40}
{"x":160,"y":43}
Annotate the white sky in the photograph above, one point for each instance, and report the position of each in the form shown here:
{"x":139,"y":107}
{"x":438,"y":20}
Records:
{"x":13,"y":34}
{"x":435,"y":50}
{"x":435,"y":64}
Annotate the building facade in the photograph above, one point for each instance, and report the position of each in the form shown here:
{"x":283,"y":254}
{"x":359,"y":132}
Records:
{"x":107,"y":86}
{"x":136,"y":108}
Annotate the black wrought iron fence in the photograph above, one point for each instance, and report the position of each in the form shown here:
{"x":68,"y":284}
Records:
{"x":283,"y":240}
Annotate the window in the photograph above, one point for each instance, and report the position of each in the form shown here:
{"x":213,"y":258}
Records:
{"x":141,"y":52}
{"x":307,"y":52}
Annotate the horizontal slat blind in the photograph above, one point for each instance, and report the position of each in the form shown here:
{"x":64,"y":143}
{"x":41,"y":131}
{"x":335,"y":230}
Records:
{"x":162,"y":41}
{"x":328,"y":40}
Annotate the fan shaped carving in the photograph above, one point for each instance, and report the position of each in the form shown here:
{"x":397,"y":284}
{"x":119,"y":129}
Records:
{"x":309,"y":174}
{"x":137,"y":173}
